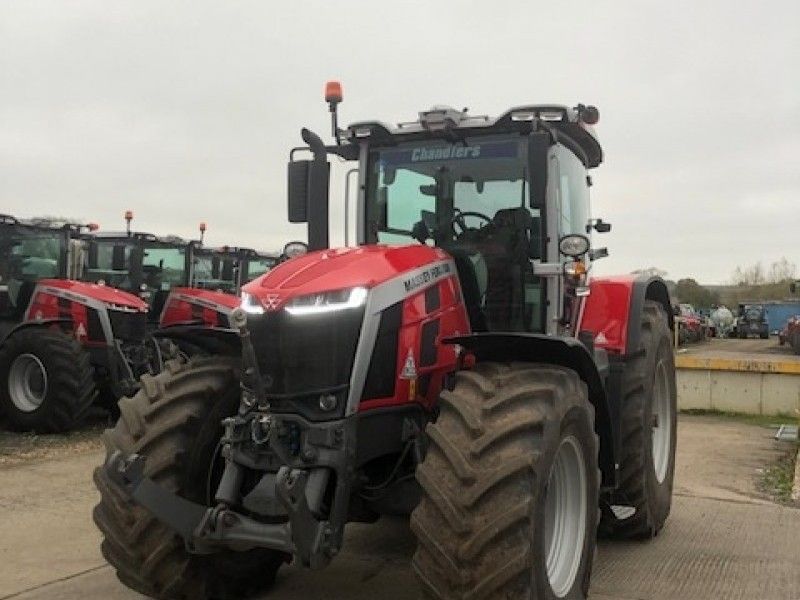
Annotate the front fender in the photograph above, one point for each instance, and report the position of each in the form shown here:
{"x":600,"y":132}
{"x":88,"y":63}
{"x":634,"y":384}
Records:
{"x":63,"y":323}
{"x":563,"y":351}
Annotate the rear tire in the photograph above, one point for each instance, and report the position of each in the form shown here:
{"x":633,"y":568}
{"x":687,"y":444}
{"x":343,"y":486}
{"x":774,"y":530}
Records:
{"x":649,"y":432}
{"x":494,"y":508}
{"x":46,"y":381}
{"x":175,"y":422}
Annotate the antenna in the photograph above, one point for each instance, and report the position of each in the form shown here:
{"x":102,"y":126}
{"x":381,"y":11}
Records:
{"x":128,"y":219}
{"x":333,"y":96}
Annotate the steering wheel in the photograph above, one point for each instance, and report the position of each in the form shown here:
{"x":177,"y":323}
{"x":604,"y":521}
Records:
{"x":458,"y":219}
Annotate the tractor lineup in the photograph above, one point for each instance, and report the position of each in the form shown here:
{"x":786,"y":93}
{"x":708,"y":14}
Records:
{"x":83,"y":313}
{"x":457,"y":364}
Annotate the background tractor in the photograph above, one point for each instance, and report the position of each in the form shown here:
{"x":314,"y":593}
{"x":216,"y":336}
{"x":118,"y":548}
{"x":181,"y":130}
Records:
{"x":457,"y":365}
{"x":790,"y":334}
{"x":60,"y":338}
{"x":752,"y":320}
{"x":182,"y":281}
{"x":213,"y":287}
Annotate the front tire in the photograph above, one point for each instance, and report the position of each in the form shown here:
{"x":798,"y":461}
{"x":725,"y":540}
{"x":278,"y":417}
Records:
{"x":175,"y":422}
{"x":649,"y":433}
{"x":509,"y":487}
{"x":47,"y":381}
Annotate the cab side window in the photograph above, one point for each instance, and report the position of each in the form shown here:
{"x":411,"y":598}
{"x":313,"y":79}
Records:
{"x":573,"y":193}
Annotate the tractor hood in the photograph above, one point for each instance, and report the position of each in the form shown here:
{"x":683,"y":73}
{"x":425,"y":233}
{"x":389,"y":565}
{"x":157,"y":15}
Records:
{"x":209,"y":298}
{"x":97,"y":292}
{"x":342,"y":268}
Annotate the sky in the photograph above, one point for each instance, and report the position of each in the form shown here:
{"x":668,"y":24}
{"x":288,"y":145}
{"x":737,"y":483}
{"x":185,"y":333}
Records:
{"x":186,"y":111}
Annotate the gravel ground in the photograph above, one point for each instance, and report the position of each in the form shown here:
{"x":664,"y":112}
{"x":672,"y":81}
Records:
{"x":726,"y":538}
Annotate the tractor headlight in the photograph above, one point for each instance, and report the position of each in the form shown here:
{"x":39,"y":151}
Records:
{"x":251,"y":305}
{"x":324,"y":302}
{"x":573,"y":245}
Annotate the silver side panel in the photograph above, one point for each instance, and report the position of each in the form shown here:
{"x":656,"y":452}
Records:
{"x":380,"y":298}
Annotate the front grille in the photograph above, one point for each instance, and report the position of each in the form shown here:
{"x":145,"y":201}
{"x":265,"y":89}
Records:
{"x":128,"y":326}
{"x":304,"y":356}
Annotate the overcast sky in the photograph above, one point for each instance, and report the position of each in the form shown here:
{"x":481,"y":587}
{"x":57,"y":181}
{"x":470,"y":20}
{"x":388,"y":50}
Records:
{"x":185,"y":111}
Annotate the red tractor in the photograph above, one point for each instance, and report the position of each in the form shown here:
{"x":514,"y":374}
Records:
{"x":790,"y":334}
{"x":457,"y":366}
{"x":60,"y":339}
{"x":214,"y":285}
{"x":182,"y":281}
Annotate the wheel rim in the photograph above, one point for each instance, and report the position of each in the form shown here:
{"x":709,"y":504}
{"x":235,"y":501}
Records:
{"x":27,"y":382}
{"x":565,"y":516}
{"x":662,"y":422}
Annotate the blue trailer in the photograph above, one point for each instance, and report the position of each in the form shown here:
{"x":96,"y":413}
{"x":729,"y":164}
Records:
{"x":779,"y":311}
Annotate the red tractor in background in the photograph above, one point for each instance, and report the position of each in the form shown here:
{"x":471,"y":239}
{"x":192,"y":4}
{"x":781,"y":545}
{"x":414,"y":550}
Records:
{"x":458,"y":365}
{"x":60,"y":338}
{"x":180,"y":279}
{"x":791,"y":331}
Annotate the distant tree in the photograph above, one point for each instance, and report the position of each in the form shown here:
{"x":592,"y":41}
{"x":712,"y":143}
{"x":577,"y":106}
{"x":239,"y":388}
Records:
{"x":689,"y":291}
{"x":755,"y":274}
{"x":781,"y":270}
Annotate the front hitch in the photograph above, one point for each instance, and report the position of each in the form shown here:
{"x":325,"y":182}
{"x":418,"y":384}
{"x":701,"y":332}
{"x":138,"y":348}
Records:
{"x":206,"y":529}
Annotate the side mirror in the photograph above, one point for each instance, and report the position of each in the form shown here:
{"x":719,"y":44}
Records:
{"x":227,"y":270}
{"x":420,"y":232}
{"x":118,"y":258}
{"x":598,"y":225}
{"x":598,"y":253}
{"x":298,"y":176}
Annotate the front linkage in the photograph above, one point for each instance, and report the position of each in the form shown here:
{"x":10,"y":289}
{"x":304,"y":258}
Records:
{"x":297,"y":458}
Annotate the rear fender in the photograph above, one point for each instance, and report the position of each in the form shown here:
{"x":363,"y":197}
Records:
{"x":563,"y":351}
{"x":613,"y":311}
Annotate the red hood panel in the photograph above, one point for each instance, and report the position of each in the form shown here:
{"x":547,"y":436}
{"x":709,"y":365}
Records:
{"x":103,"y":293}
{"x":212,"y":296}
{"x":365,"y":266}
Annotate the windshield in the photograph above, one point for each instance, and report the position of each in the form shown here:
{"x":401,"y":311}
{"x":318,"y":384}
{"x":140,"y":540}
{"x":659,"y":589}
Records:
{"x":116,"y":262}
{"x":259,"y":266}
{"x":434,"y":182}
{"x":212,"y":272}
{"x":27,"y":255}
{"x":753,"y":312}
{"x":471,"y":198}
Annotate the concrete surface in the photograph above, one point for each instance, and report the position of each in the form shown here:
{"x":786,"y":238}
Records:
{"x":752,"y":347}
{"x":751,"y":376}
{"x":724,"y":539}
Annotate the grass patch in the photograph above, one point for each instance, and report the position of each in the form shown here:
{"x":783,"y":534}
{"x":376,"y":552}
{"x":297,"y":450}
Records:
{"x":761,"y":420}
{"x":777,"y":480}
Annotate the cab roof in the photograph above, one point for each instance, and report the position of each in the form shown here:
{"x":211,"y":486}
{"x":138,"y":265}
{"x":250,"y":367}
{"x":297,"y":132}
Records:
{"x":445,"y":121}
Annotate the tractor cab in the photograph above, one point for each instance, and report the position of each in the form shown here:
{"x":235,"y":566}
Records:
{"x":507,"y":198}
{"x":32,"y":250}
{"x":143,"y":264}
{"x":227,"y":268}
